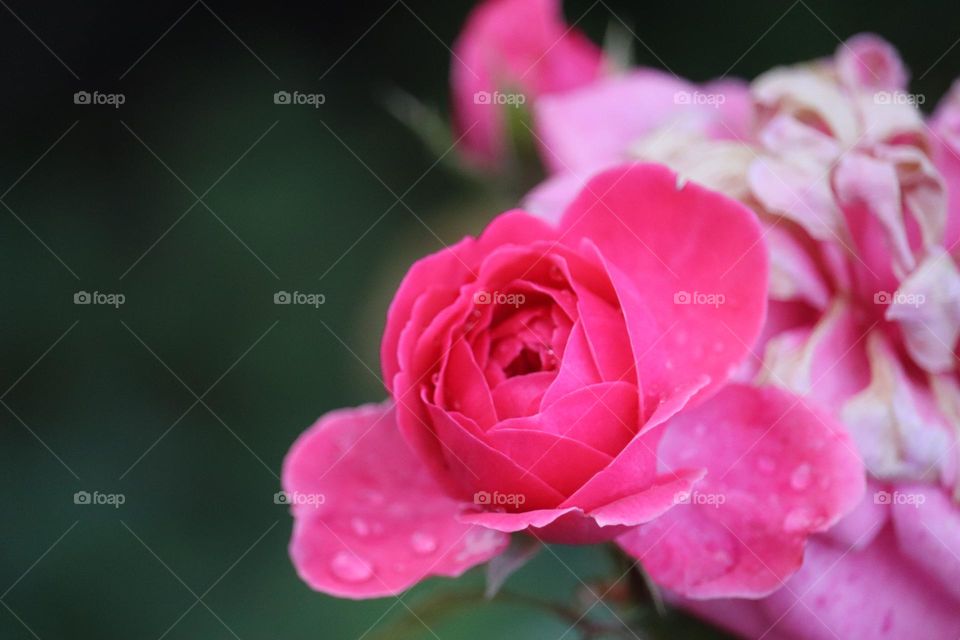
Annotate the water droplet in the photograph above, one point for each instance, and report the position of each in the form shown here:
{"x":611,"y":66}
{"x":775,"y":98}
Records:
{"x":374,"y":497}
{"x":798,"y":519}
{"x":398,"y":509}
{"x":766,"y":465}
{"x":360,"y":527}
{"x":722,"y":557}
{"x":800,"y":478}
{"x":351,"y":568}
{"x":423,"y":543}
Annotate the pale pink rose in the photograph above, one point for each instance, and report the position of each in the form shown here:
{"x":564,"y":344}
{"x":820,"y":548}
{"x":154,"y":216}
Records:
{"x":509,"y":53}
{"x":570,"y":380}
{"x":859,"y":199}
{"x":847,"y":181}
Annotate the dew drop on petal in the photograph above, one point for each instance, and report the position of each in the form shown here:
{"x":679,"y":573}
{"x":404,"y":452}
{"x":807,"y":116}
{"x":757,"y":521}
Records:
{"x":351,"y":568}
{"x":479,"y":541}
{"x":360,"y":527}
{"x":722,"y":557}
{"x":766,"y":465}
{"x":800,"y":478}
{"x":423,"y":543}
{"x":374,"y":497}
{"x":798,"y":519}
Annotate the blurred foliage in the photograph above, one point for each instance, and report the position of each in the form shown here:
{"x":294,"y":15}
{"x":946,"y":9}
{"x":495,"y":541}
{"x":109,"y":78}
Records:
{"x":299,"y":199}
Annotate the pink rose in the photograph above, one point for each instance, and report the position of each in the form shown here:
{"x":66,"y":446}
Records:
{"x":569,"y":380}
{"x":509,"y":53}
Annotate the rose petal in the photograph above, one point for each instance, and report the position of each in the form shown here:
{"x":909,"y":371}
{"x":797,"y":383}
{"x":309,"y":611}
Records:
{"x":894,"y":420}
{"x":868,"y":191}
{"x":777,"y":472}
{"x":872,"y":594}
{"x":927,"y":308}
{"x":560,"y":461}
{"x":867,"y":61}
{"x":520,"y":396}
{"x":583,"y":130}
{"x":382,"y":524}
{"x":808,"y":96}
{"x":860,"y":527}
{"x":473,"y":465}
{"x":577,"y":369}
{"x":674,"y":246}
{"x":828,"y":362}
{"x":604,"y":416}
{"x":635,"y":470}
{"x":927,"y":523}
{"x":570,"y":525}
{"x":842,"y":593}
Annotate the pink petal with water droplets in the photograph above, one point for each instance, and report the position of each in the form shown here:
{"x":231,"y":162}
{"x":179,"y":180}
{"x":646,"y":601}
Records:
{"x":380,"y":524}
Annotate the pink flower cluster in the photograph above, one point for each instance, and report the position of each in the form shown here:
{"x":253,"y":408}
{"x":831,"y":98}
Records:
{"x":857,"y":193}
{"x":722,"y":334}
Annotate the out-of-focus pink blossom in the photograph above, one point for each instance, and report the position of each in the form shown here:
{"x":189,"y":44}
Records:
{"x":509,"y":53}
{"x":859,"y":197}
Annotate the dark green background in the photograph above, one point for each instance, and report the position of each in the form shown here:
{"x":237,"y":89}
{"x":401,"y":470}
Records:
{"x":285,"y":215}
